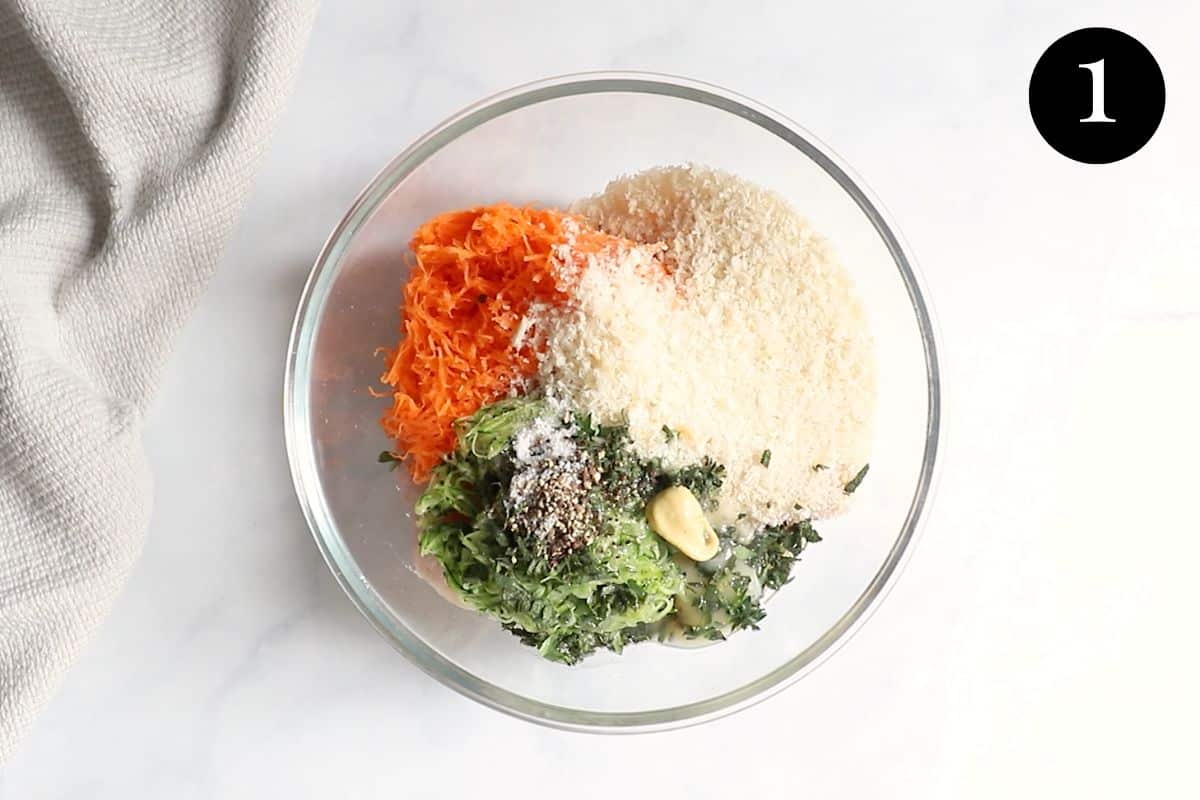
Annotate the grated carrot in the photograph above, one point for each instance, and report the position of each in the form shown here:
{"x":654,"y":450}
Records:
{"x":476,"y":274}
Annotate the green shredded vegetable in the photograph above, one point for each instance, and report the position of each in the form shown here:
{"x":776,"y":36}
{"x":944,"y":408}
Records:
{"x":602,"y":596}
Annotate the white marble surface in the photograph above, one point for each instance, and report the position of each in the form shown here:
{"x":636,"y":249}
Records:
{"x":1042,"y":639}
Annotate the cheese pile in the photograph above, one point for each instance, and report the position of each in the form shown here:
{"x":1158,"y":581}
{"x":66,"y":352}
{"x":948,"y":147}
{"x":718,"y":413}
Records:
{"x":754,"y":352}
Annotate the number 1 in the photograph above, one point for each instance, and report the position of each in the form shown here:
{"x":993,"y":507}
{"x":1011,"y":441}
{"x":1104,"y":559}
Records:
{"x":1097,"y":70}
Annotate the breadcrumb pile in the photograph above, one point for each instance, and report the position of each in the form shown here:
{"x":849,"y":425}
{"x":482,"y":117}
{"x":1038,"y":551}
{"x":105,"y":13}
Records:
{"x":755,"y":351}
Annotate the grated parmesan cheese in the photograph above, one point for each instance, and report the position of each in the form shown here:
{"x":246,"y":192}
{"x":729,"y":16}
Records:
{"x":757,"y":342}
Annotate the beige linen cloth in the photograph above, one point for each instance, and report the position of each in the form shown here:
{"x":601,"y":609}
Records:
{"x":129,"y":133}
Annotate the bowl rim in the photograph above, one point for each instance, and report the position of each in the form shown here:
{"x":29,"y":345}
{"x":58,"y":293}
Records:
{"x":297,"y":425}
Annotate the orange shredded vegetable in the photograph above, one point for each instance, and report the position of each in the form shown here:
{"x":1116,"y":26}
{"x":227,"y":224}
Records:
{"x":476,"y":274}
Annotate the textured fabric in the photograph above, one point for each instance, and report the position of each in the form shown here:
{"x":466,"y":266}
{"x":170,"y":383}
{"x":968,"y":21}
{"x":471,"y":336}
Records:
{"x":129,"y":131}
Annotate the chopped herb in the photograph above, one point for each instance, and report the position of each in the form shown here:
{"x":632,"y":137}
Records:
{"x":856,"y":480}
{"x":669,"y":434}
{"x":819,"y":467}
{"x":765,"y":458}
{"x":726,"y":602}
{"x":388,"y":458}
{"x":629,"y":480}
{"x":703,"y":480}
{"x":626,"y":480}
{"x":776,"y":548}
{"x":711,"y":632}
{"x":740,"y":604}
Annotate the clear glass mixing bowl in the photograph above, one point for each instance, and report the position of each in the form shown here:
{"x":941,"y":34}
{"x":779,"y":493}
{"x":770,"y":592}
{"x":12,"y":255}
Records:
{"x":549,"y":143}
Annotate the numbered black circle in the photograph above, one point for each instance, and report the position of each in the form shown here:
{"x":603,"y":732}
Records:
{"x":1097,"y":95}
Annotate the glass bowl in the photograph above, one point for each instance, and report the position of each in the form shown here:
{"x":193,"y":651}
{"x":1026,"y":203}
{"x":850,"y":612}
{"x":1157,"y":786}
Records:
{"x":548,"y":143}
